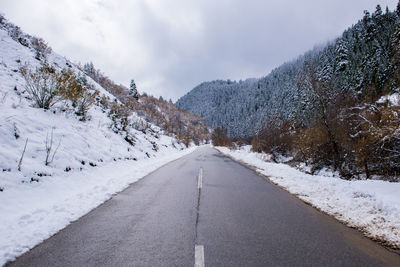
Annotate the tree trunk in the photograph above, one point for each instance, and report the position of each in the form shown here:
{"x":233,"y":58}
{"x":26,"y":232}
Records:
{"x":366,"y":168}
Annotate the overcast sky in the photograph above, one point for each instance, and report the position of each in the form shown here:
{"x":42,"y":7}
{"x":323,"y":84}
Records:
{"x":170,"y":46}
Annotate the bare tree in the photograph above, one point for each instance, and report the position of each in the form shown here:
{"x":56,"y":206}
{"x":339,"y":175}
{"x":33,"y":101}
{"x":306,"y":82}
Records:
{"x":322,"y":98}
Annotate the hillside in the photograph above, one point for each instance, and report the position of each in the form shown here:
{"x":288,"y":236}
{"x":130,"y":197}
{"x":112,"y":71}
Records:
{"x":109,"y":128}
{"x":69,"y":142}
{"x":362,"y":61}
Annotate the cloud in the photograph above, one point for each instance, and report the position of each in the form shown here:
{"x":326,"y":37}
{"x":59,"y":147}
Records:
{"x":170,"y":46}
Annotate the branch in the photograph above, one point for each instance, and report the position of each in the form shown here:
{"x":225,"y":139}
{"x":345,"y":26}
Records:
{"x":22,"y":156}
{"x":52,"y":158}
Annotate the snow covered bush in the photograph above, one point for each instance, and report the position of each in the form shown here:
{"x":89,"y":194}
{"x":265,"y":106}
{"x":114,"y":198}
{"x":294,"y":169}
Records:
{"x":41,"y":48}
{"x":43,"y":85}
{"x":79,"y":91}
{"x":46,"y":86}
{"x":119,"y":115}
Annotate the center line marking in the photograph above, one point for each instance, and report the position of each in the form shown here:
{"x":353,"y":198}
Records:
{"x":200,"y":179}
{"x":199,"y":256}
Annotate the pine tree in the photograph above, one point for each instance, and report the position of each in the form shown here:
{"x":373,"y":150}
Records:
{"x":395,"y":49}
{"x":133,"y":91}
{"x":89,"y":69}
{"x":369,"y":26}
{"x":341,"y":52}
{"x":378,"y":11}
{"x":398,"y":9}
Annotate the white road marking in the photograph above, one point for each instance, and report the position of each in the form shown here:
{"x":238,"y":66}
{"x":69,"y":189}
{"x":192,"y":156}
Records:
{"x":199,"y":256}
{"x":200,"y":179}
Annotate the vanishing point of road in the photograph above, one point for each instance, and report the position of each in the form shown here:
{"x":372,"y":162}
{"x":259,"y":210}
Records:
{"x":206,"y":210}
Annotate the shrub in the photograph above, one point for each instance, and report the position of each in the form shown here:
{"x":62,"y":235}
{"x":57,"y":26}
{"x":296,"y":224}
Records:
{"x":313,"y":144}
{"x":46,"y":87}
{"x":14,"y":32}
{"x":376,"y":139}
{"x":79,"y":91}
{"x":41,"y":48}
{"x":220,"y":138}
{"x":275,"y":139}
{"x":42,"y":85}
{"x":119,"y":115}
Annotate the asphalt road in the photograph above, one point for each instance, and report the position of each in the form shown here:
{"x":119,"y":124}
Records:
{"x":233,"y":215}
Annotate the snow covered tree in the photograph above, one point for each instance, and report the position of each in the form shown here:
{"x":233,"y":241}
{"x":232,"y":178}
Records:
{"x":341,"y":55}
{"x":395,"y":49}
{"x":90,"y":70}
{"x":398,"y":9}
{"x":358,"y":69}
{"x":133,"y":91}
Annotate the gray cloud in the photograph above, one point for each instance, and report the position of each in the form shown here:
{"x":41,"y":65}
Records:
{"x":170,"y":46}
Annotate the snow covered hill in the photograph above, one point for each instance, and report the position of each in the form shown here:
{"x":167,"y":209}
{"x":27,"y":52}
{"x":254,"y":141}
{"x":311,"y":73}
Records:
{"x":76,"y":144}
{"x":56,"y":165}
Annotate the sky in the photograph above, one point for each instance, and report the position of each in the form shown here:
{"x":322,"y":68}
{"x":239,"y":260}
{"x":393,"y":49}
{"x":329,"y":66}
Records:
{"x":170,"y":46}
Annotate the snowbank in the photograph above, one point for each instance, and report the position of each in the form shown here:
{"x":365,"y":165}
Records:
{"x":32,"y":212}
{"x":368,"y":205}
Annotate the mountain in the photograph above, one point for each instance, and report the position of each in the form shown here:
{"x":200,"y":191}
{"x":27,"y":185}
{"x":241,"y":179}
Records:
{"x":362,"y":62}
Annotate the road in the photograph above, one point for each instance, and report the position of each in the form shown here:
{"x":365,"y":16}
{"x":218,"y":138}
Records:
{"x":207,"y":207}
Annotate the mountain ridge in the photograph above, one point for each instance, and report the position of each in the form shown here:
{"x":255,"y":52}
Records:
{"x":358,"y":60}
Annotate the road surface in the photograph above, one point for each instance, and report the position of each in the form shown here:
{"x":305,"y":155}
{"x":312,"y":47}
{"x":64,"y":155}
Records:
{"x":206,"y":209}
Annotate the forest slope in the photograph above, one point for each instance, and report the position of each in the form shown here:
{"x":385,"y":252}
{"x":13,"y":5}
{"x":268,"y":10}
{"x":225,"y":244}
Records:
{"x":361,"y":61}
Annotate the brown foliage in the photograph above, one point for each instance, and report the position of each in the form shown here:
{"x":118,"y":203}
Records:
{"x":353,"y":135}
{"x":376,"y":139}
{"x":185,"y":126}
{"x":276,"y":138}
{"x":43,"y":85}
{"x":47,"y":86}
{"x":220,"y":138}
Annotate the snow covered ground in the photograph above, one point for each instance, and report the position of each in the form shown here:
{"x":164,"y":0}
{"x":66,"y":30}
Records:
{"x":32,"y":212}
{"x":369,"y":205}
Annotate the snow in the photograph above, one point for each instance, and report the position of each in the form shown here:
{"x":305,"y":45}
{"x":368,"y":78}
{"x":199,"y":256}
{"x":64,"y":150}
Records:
{"x":371,"y":206}
{"x":392,"y":99}
{"x":91,"y":164}
{"x":32,"y":212}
